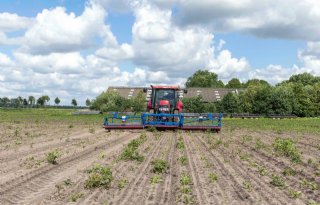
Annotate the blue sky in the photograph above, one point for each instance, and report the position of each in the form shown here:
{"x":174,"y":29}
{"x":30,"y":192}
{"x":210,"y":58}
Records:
{"x":76,"y":49}
{"x":263,"y":51}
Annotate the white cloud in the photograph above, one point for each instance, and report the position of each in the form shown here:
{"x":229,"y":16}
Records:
{"x":227,"y":67}
{"x":152,"y":24}
{"x":161,"y":46}
{"x":68,"y":63}
{"x":274,"y":73}
{"x":5,"y":60}
{"x":221,"y":44}
{"x":121,"y":52}
{"x":4,"y":40}
{"x":124,"y":6}
{"x":117,"y":6}
{"x":13,"y":22}
{"x":310,"y":57}
{"x":290,"y":19}
{"x":57,"y":31}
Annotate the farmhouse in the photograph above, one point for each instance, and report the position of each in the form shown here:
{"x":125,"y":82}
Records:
{"x":208,"y":94}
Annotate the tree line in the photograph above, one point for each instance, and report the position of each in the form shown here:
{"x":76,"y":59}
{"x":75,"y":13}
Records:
{"x":112,"y":101}
{"x":299,"y":95}
{"x":32,"y":102}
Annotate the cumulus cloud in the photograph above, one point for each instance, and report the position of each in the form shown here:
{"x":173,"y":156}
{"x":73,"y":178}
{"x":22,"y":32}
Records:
{"x":48,"y":59}
{"x":5,"y":60}
{"x":159,"y":45}
{"x":122,"y":52}
{"x":310,"y":57}
{"x":69,"y":63}
{"x":227,"y":67}
{"x":123,"y":6}
{"x":117,"y":6}
{"x":274,"y":73}
{"x":261,"y":18}
{"x":64,"y":75}
{"x":56,"y":30}
{"x":12,"y":22}
{"x":3,"y":38}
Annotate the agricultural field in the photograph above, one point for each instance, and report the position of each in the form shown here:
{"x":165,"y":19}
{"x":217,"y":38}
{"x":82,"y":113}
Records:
{"x":53,"y":157}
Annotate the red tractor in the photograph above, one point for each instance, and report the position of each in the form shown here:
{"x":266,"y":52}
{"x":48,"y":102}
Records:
{"x":164,"y":111}
{"x":164,"y":99}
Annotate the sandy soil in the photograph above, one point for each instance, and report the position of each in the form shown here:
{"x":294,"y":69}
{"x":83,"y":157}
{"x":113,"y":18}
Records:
{"x":244,"y":172}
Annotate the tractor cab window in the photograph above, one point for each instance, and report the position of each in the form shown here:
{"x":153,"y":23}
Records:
{"x":164,"y":95}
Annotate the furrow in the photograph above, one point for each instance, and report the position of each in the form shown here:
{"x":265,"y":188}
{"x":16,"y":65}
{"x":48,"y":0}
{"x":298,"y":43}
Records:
{"x":195,"y":172}
{"x":98,"y":196}
{"x":158,"y":193}
{"x":263,"y":187}
{"x":53,"y":173}
{"x":131,"y":190}
{"x":239,"y":194}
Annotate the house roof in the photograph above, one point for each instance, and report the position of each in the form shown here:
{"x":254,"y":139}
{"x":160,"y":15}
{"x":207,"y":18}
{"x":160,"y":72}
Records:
{"x":210,"y":94}
{"x":126,"y":92}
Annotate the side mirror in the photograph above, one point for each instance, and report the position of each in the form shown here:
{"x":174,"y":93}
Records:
{"x":185,"y":91}
{"x":145,"y":90}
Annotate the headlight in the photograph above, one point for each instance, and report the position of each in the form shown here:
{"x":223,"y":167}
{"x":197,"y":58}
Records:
{"x":164,"y":109}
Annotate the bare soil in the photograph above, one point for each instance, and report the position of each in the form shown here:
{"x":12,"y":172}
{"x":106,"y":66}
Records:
{"x":244,"y":171}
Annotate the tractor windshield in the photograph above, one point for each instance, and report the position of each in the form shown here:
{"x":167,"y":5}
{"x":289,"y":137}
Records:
{"x":164,"y":94}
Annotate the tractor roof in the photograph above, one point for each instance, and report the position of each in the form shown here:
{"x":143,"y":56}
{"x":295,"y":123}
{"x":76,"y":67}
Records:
{"x":165,"y":87}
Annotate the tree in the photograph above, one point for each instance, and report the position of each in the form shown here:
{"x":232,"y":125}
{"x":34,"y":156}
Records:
{"x":57,"y":101}
{"x":230,"y":103}
{"x":41,"y":101}
{"x":304,"y":79}
{"x":5,"y":102}
{"x":109,"y":101}
{"x":234,"y":83}
{"x":317,"y":98}
{"x":204,"y":78}
{"x":246,"y":100}
{"x":262,"y":100}
{"x":88,"y":102}
{"x":256,"y":82}
{"x":304,"y":105}
{"x":282,"y":100}
{"x":15,"y":102}
{"x":193,"y":104}
{"x":31,"y":100}
{"x":20,"y":99}
{"x":210,"y":107}
{"x":46,"y":98}
{"x":139,"y":104}
{"x":74,"y":102}
{"x":25,"y":102}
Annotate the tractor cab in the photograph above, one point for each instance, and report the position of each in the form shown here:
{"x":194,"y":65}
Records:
{"x":164,"y":99}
